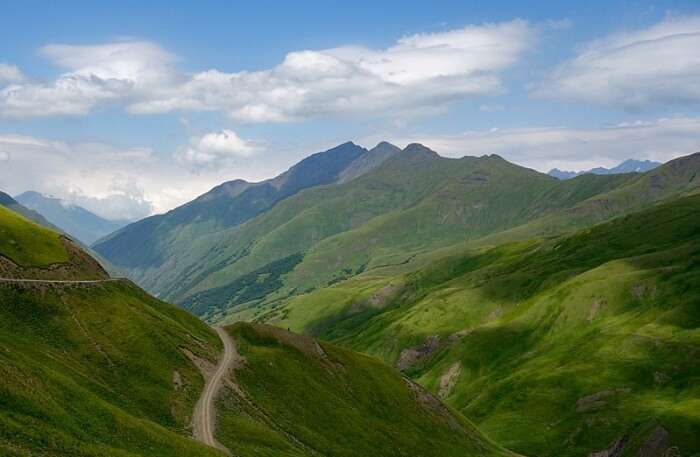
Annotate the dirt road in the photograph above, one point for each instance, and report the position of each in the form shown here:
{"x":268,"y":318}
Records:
{"x":62,"y":281}
{"x":204,"y":421}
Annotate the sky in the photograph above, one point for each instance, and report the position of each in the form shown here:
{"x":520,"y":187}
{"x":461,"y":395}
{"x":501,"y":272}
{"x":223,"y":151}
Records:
{"x":130,"y":109}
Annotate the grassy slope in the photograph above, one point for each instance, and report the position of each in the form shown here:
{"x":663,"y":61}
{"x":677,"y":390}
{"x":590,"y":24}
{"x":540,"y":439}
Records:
{"x":533,"y":328}
{"x":156,"y":247}
{"x":28,"y":244}
{"x":393,"y":218}
{"x":91,"y":369}
{"x":412,"y":202}
{"x":336,"y":402}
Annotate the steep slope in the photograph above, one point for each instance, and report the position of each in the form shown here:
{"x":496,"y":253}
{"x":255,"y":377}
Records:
{"x":368,"y":162}
{"x":628,"y":166}
{"x":31,"y":251}
{"x":558,"y":346}
{"x":94,"y":368}
{"x":147,"y":248}
{"x":413,"y":202}
{"x":336,"y":402}
{"x":70,"y":219}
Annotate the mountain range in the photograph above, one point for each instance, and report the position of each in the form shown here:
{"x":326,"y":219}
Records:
{"x":71,"y":219}
{"x":628,"y":166}
{"x":556,"y":314}
{"x":94,"y":366}
{"x":242,"y":246}
{"x":393,"y":292}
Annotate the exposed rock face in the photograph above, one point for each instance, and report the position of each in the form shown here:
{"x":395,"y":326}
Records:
{"x":656,"y":445}
{"x":615,"y":450}
{"x":410,"y":356}
{"x":597,"y":400}
{"x":448,"y":380}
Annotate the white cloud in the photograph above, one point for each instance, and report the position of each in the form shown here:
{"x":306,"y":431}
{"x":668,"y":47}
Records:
{"x":125,"y":200}
{"x":10,"y":73}
{"x":140,"y":62}
{"x":572,"y":149}
{"x":71,"y":95}
{"x":634,"y":70}
{"x":215,"y":148}
{"x":419,"y":74}
{"x":114,"y":72}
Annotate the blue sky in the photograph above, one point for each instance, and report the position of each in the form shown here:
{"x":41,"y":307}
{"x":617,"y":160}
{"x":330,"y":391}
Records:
{"x":130,"y":109}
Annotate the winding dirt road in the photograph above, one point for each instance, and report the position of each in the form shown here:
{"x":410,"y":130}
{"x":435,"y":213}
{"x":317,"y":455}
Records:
{"x":204,"y":411}
{"x":63,"y":281}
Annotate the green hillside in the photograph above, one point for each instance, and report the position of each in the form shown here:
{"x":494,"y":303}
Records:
{"x":12,"y":204}
{"x":90,"y":369}
{"x":555,"y":346}
{"x":91,"y":366}
{"x":29,"y":250}
{"x":414,"y":201}
{"x":394,"y":217}
{"x":294,"y":396}
{"x":97,"y":370}
{"x":28,"y":244}
{"x":149,"y":247}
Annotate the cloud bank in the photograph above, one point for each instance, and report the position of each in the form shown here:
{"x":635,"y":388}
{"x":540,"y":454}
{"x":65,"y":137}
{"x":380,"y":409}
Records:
{"x":419,"y":73}
{"x":634,"y":70}
{"x":571,"y":148}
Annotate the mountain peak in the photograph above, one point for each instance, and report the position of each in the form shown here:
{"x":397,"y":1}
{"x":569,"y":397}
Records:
{"x":628,"y":166}
{"x":368,"y":161}
{"x":385,"y":144}
{"x":419,"y":149}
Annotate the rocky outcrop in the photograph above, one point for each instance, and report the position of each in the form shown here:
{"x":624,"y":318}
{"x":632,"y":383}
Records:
{"x":409,"y":357}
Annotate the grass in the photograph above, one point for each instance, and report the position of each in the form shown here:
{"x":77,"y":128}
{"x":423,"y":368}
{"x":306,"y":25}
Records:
{"x":97,"y":370}
{"x":413,"y":202}
{"x":336,"y":402}
{"x":28,"y":244}
{"x":538,"y":329}
{"x":395,"y":217}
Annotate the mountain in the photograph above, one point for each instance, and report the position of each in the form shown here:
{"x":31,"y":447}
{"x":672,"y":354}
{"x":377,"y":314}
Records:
{"x":154,"y":241}
{"x":628,"y":166}
{"x":568,"y":345}
{"x":93,"y":366}
{"x":73,"y":220}
{"x":386,"y":219}
{"x":368,"y":162}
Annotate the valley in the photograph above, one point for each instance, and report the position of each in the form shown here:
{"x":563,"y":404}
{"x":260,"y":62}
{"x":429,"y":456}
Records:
{"x":499,"y":289}
{"x":94,"y":366}
{"x":350,"y":229}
